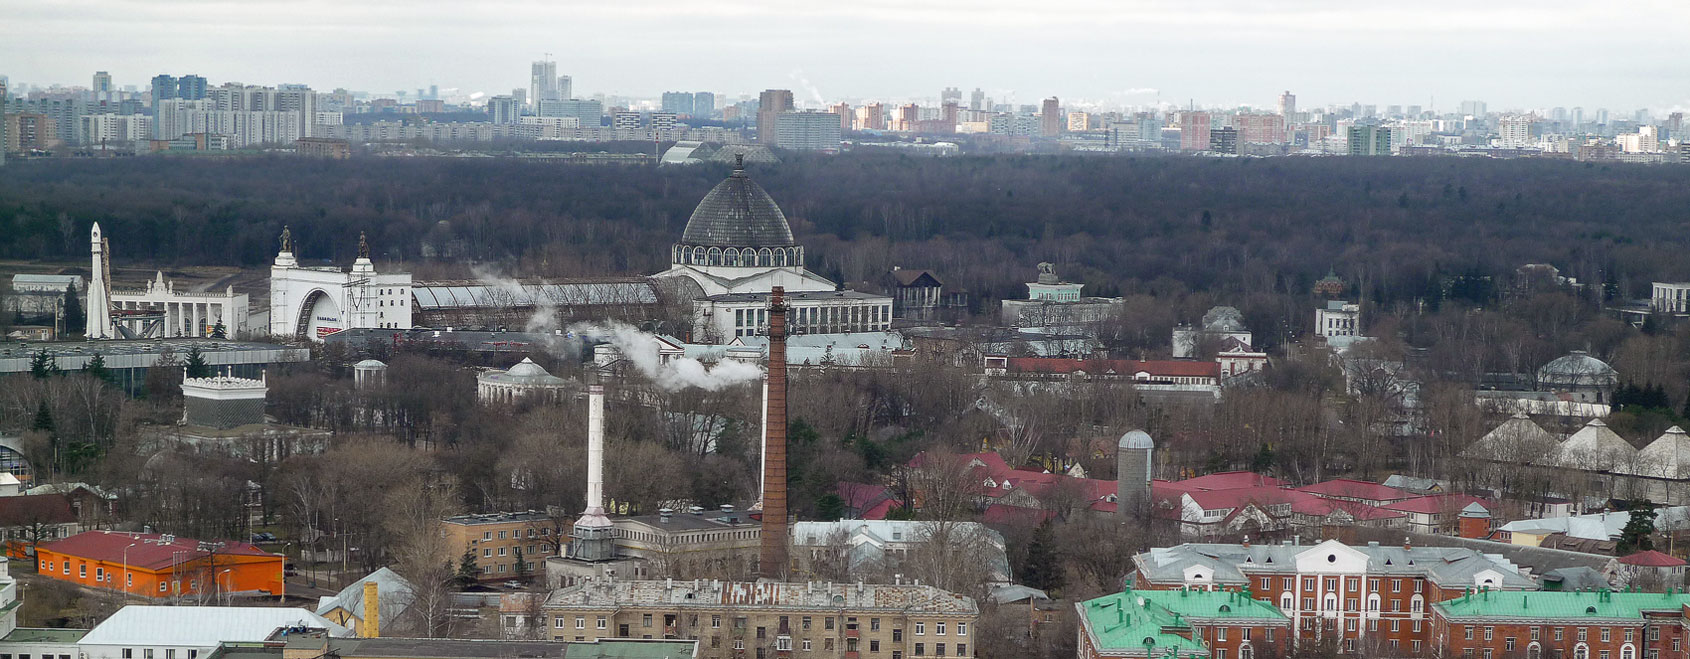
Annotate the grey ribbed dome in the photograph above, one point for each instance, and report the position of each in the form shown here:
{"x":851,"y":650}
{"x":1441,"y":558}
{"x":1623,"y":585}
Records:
{"x":738,"y":213}
{"x":1136,"y":439}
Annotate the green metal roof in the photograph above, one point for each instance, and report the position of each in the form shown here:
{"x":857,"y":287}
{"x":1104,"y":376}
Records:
{"x":44,"y":635}
{"x":1568,"y":604}
{"x":1125,"y":620}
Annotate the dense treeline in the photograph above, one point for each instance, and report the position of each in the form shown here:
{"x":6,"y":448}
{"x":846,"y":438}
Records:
{"x":1401,"y":228}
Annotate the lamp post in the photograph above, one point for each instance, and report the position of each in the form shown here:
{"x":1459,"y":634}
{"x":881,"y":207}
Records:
{"x":226,"y":596}
{"x":126,"y":569}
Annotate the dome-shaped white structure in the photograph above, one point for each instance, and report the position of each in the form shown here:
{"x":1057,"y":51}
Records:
{"x":1579,"y":373}
{"x":1136,"y":439}
{"x":524,"y":380}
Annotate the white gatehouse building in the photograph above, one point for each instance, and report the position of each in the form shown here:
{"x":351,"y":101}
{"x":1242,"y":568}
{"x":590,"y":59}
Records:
{"x":314,"y":302}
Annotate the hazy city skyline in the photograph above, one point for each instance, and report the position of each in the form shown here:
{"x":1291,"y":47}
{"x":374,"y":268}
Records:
{"x":1435,"y":54}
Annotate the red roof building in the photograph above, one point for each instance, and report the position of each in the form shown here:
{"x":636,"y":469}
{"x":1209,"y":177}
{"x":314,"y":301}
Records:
{"x":156,"y":565}
{"x":1437,"y":512}
{"x":1652,"y":558}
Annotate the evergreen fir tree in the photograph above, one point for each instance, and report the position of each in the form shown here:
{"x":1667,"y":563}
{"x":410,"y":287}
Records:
{"x":468,"y":572}
{"x":218,"y":331}
{"x":830,"y":507}
{"x":1639,"y":529}
{"x":43,"y":418}
{"x":197,"y":368}
{"x":42,"y":365}
{"x":1040,"y":569}
{"x":74,"y":319}
{"x":97,"y":367}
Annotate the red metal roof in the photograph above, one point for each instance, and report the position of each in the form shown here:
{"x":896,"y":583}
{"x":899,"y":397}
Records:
{"x":1228,"y":480}
{"x":1123,"y":367}
{"x":1651,"y":558}
{"x":1362,"y":512}
{"x":1354,"y":489}
{"x":150,"y":551}
{"x":1437,"y":503}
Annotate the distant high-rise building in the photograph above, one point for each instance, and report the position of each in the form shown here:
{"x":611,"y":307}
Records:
{"x":807,"y":131}
{"x":1369,"y":141}
{"x":908,"y":115}
{"x":1514,"y":131}
{"x":1601,"y":116}
{"x":625,"y":120}
{"x":191,"y":87}
{"x":565,"y":87}
{"x":164,"y":88}
{"x":1079,"y":122}
{"x":1577,"y":117}
{"x":1642,"y":117}
{"x":587,"y":113}
{"x":1050,"y":118}
{"x":678,"y":102}
{"x":521,"y":96}
{"x":770,"y":105}
{"x":1223,"y":140}
{"x":844,"y":112}
{"x":503,"y":109}
{"x":663,"y":120}
{"x":874,"y":117}
{"x":1473,"y":108}
{"x":1194,"y":131}
{"x":950,"y":95}
{"x":542,"y":81}
{"x":977,"y":101}
{"x":433,"y":92}
{"x":703,"y":105}
{"x":1287,"y":104}
{"x":102,"y":82}
{"x":1414,"y":111}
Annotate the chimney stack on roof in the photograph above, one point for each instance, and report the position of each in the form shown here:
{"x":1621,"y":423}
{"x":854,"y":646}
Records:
{"x":772,"y":559}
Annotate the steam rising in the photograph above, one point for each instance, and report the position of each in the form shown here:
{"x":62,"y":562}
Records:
{"x":514,"y":294}
{"x":640,"y":349}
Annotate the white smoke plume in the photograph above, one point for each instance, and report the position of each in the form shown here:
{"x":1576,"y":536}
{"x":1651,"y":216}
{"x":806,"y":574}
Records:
{"x":510,"y":292}
{"x":640,"y":349}
{"x":804,"y":81}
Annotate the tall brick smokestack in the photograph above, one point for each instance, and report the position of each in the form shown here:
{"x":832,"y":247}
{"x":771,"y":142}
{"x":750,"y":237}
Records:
{"x":771,"y":562}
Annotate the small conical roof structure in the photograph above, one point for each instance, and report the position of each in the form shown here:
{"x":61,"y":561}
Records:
{"x":1666,"y":457}
{"x":1517,"y":440}
{"x":1596,"y":447}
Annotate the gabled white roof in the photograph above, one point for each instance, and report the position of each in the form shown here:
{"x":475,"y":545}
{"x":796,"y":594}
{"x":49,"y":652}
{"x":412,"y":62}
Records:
{"x":1597,"y":447}
{"x":200,"y":626}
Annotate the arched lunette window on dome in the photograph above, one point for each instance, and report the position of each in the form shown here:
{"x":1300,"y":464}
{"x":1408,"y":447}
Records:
{"x":731,"y":256}
{"x":765,"y":257}
{"x":698,"y":256}
{"x":715,"y":256}
{"x":780,"y":257}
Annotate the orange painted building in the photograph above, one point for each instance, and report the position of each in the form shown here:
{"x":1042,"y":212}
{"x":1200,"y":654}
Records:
{"x":161,"y":566}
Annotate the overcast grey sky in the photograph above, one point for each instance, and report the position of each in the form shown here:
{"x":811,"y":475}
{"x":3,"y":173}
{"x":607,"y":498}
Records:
{"x":1510,"y":53}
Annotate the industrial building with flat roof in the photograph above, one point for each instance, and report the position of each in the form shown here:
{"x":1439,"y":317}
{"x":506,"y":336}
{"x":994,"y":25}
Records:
{"x":128,"y":360}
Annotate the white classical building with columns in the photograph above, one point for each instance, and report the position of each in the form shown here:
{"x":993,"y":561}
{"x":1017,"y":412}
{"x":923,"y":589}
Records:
{"x":159,"y":310}
{"x":314,"y":302}
{"x":186,"y":313}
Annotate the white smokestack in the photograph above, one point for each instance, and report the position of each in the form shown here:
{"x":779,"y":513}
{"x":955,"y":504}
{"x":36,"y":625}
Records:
{"x":593,"y":516}
{"x":595,"y":447}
